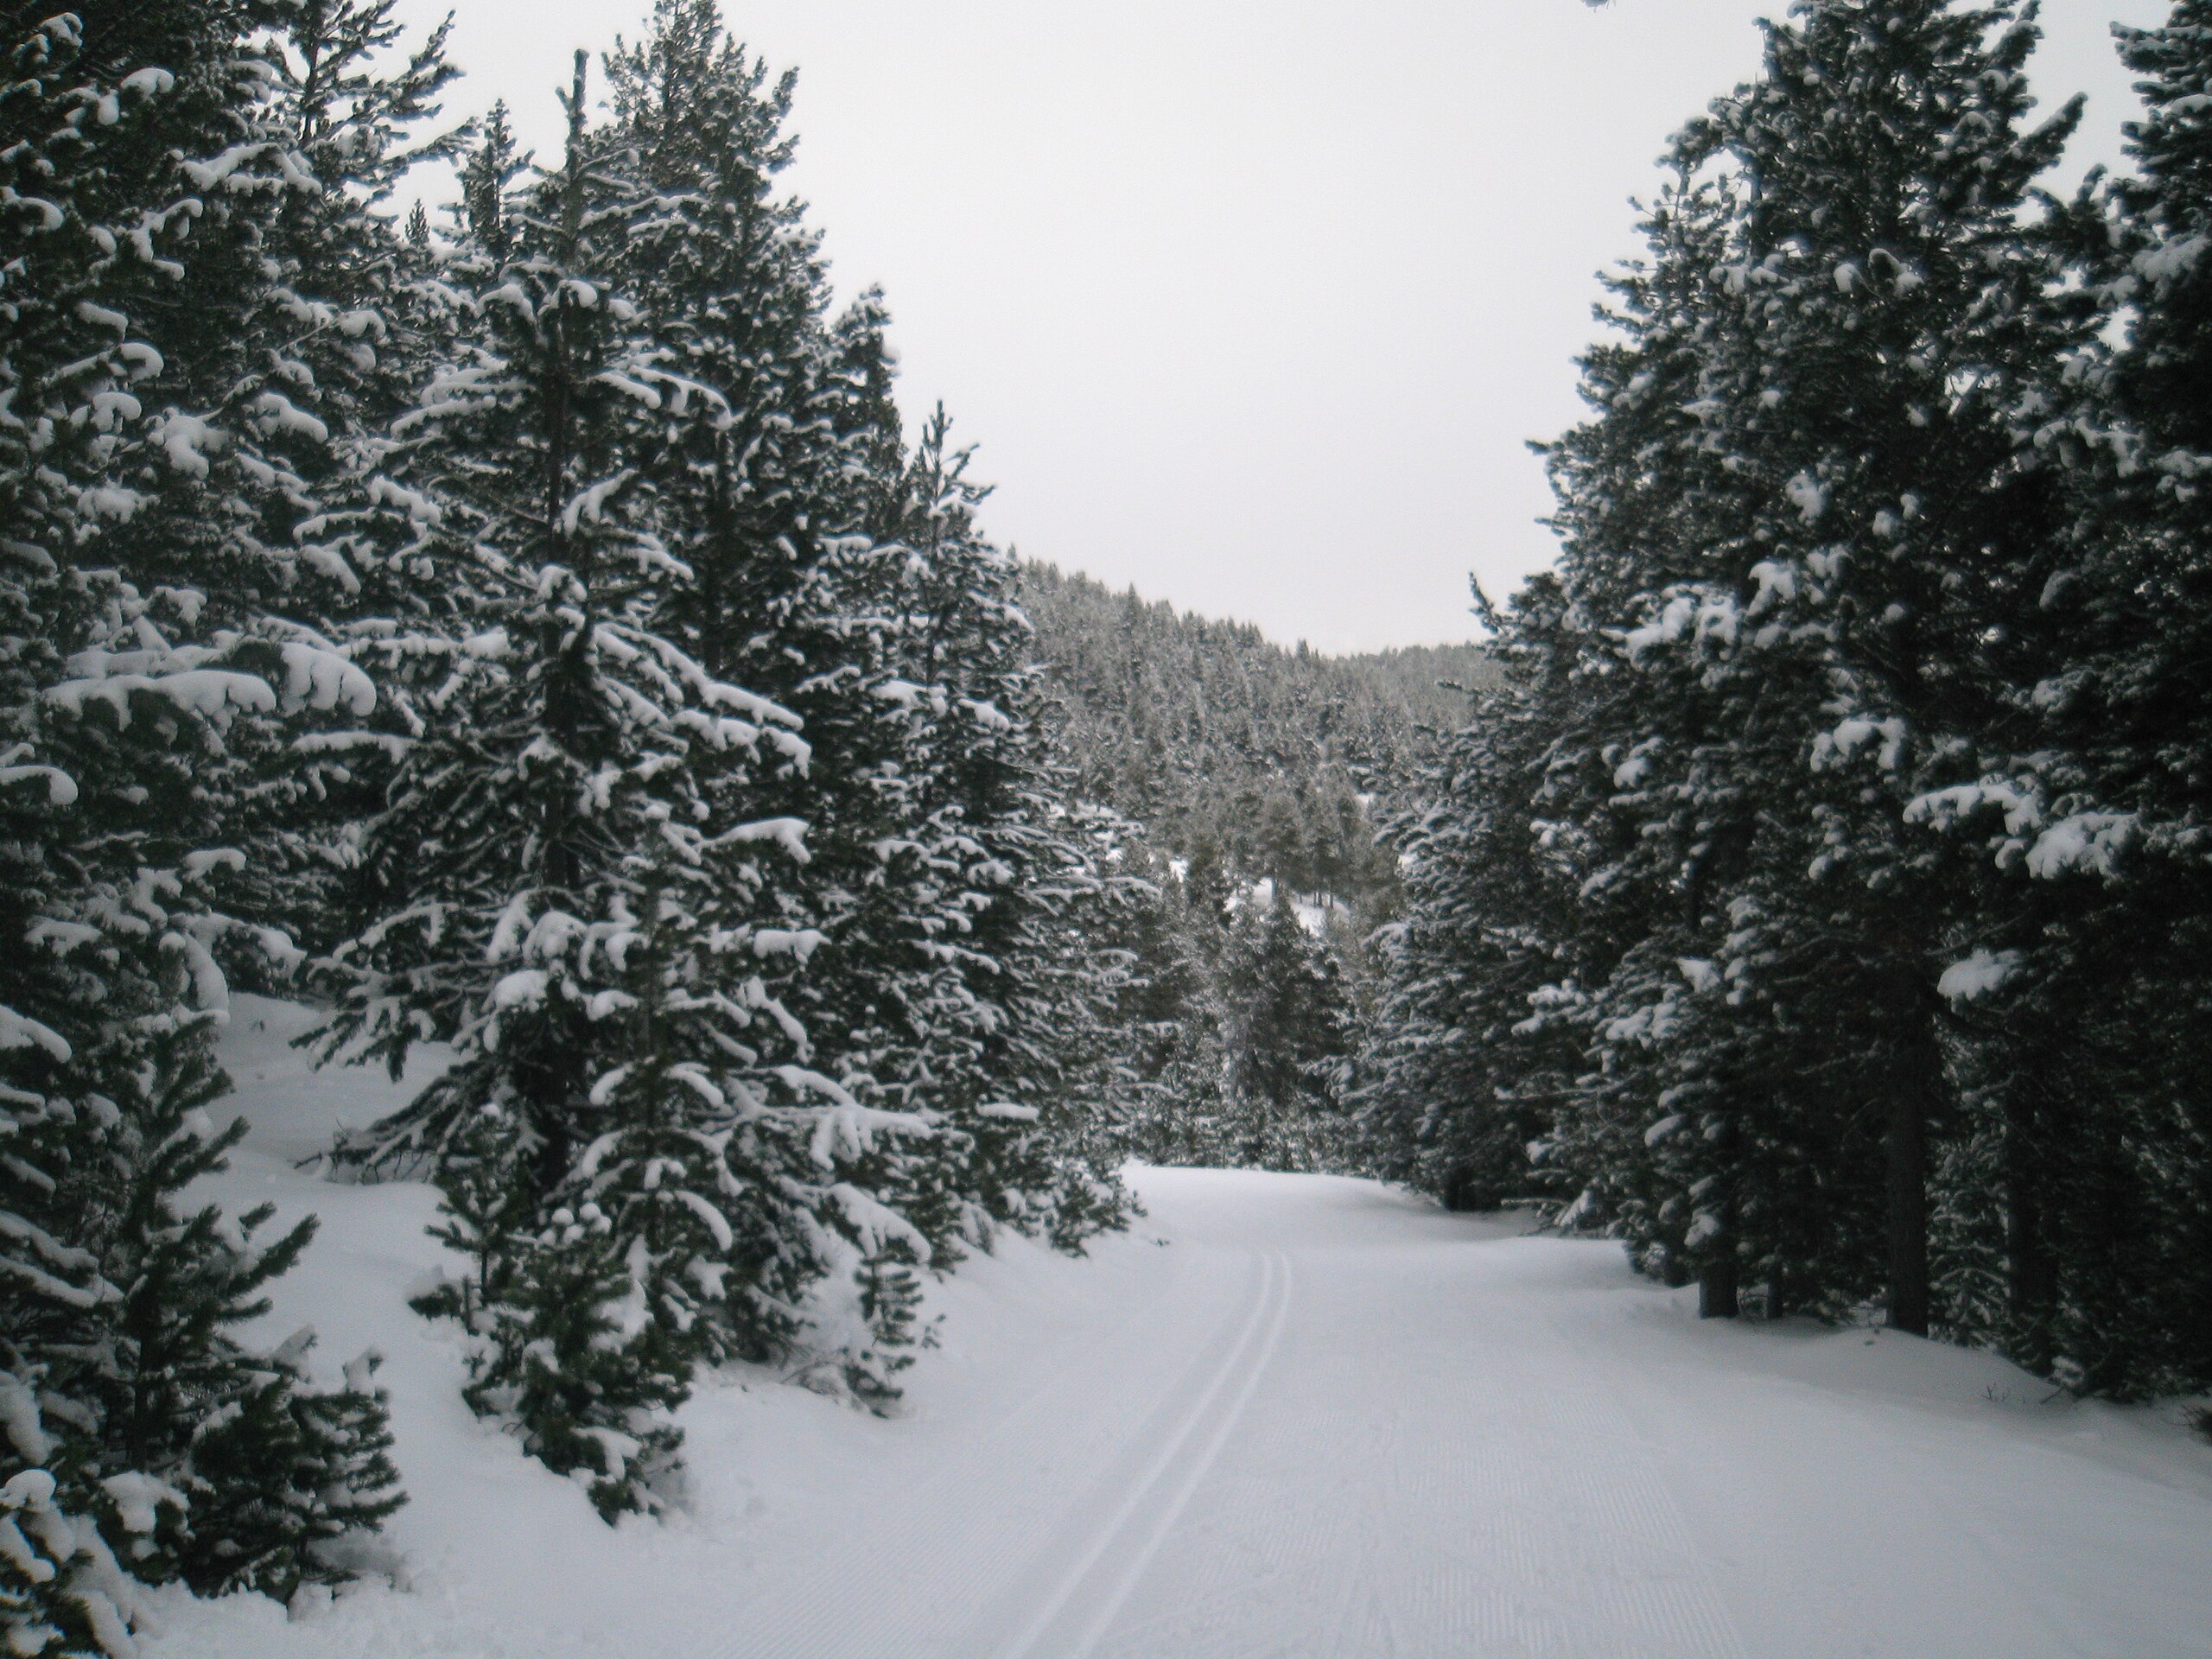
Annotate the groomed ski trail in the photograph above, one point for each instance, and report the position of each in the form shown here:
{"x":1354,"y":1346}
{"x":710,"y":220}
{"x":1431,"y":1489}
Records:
{"x":1075,"y":1587}
{"x":1291,"y":1416}
{"x":1332,"y":1422}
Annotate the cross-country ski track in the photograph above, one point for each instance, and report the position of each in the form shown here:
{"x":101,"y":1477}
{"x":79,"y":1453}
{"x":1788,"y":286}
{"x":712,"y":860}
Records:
{"x":1283,"y":1415}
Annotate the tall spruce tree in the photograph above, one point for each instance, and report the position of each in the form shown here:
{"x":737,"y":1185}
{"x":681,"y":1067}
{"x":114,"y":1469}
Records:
{"x":1657,"y":779}
{"x":779,"y":508}
{"x":1450,"y":1094}
{"x":553,"y":885}
{"x":1893,"y":160}
{"x":2074,"y":1231}
{"x":151,"y":472}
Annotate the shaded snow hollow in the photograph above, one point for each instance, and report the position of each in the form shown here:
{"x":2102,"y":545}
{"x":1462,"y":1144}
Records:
{"x":1285,"y":1416}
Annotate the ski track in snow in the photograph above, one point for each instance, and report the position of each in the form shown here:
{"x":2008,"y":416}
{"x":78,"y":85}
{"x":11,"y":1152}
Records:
{"x":944,"y":1543}
{"x":1294,"y":1417}
{"x":1471,"y":1492}
{"x":1141,"y":1507}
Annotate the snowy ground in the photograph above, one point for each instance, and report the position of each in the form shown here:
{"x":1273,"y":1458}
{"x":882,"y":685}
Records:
{"x":1285,"y":1416}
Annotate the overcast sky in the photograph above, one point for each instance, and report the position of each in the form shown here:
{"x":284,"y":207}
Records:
{"x":1251,"y":304}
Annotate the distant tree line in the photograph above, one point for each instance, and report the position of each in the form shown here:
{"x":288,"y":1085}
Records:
{"x":1256,"y":770}
{"x":1823,"y":904}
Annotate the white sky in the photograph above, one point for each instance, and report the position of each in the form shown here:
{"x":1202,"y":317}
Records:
{"x":1251,"y":304}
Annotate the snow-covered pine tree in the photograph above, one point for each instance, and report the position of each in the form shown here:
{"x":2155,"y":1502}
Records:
{"x":353,"y":97}
{"x":2131,"y":704}
{"x":141,"y":665}
{"x":774,"y":507}
{"x":2074,"y":1223}
{"x":1084,"y":904}
{"x":1284,"y":1017}
{"x":793,"y":512}
{"x":1659,"y":802}
{"x":1893,"y":157}
{"x":1182,"y":1117}
{"x":267,"y":1467}
{"x":1002,"y":885}
{"x":638,"y":1155}
{"x":863,"y":380}
{"x":1449,"y":1095}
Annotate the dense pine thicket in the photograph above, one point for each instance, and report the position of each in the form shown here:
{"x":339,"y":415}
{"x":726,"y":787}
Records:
{"x":1256,"y":771}
{"x":533,"y":633}
{"x":1819,"y":904}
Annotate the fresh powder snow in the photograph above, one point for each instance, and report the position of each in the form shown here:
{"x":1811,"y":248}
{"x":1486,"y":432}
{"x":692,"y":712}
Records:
{"x":1281,"y":1414}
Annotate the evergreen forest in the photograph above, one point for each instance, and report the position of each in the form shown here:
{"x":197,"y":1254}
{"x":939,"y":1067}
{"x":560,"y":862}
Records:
{"x":530,"y":626}
{"x":1819,"y":904}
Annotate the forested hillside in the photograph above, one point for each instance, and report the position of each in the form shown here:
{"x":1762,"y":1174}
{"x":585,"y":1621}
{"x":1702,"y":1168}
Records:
{"x":1259,"y":774}
{"x":1228,"y":746}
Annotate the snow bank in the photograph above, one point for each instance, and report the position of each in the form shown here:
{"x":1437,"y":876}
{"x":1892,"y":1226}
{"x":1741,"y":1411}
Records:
{"x":495,"y":1557}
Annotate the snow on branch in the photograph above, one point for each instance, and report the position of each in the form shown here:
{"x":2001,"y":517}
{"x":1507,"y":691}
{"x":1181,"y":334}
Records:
{"x":21,"y":1031}
{"x":790,"y":834}
{"x":1977,"y":976}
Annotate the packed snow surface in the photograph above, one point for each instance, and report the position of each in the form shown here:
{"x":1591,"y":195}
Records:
{"x":1282,"y":1415}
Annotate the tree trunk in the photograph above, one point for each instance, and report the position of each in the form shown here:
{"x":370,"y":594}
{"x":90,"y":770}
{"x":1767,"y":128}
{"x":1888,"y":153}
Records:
{"x":1717,"y":1274}
{"x":2032,"y":1272}
{"x":1919,"y":1086}
{"x":1716,"y":1289}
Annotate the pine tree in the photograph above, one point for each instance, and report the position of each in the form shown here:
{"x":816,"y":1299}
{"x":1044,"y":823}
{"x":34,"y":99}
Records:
{"x":1654,"y":771}
{"x":527,"y":834}
{"x":1447,"y":1095}
{"x":355,"y":317}
{"x":265,"y":1466}
{"x":777,"y":508}
{"x":2073,"y":1222}
{"x":738,"y":282}
{"x":147,"y":473}
{"x":1010,"y":886}
{"x":1283,"y":1020}
{"x":2128,"y":707}
{"x":1892,"y":163}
